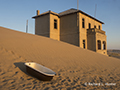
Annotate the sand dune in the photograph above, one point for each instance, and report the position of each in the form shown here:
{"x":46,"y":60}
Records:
{"x":74,"y":66}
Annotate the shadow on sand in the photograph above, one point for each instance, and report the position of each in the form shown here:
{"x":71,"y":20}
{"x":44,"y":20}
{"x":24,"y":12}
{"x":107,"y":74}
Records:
{"x":21,"y":66}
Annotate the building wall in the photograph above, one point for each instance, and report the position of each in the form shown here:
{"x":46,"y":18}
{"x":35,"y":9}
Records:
{"x":91,"y":41}
{"x":54,"y":33}
{"x":102,"y":38}
{"x":83,"y":31}
{"x":69,"y":31}
{"x":42,"y":25}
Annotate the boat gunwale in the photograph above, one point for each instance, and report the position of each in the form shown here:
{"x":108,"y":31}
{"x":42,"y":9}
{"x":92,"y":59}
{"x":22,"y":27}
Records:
{"x":39,"y":70}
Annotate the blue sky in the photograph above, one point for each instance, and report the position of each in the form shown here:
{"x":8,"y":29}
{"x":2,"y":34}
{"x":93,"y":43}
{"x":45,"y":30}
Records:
{"x":14,"y":13}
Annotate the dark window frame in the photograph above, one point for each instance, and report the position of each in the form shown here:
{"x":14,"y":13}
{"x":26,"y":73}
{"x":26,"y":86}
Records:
{"x":99,"y":44}
{"x":99,"y":27}
{"x":104,"y":45}
{"x":83,"y":23}
{"x":94,"y":26}
{"x":84,"y":44}
{"x":55,"y":23}
{"x":89,"y":25}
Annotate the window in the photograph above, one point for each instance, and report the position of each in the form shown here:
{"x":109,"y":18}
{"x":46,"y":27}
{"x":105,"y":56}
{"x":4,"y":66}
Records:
{"x":99,"y":44}
{"x":89,"y":25}
{"x":104,"y":45}
{"x":99,"y":26}
{"x":83,"y":23}
{"x":55,"y":24}
{"x":83,"y":43}
{"x":94,"y":26}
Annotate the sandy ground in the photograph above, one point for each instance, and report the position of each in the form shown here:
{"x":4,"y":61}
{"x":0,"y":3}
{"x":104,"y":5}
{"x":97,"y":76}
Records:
{"x":76,"y":68}
{"x":114,"y":53}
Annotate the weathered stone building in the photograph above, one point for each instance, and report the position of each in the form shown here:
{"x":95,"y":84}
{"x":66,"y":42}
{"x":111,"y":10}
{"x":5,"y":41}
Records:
{"x":72,"y":26}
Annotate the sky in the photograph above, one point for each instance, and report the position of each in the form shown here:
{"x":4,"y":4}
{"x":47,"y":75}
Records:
{"x":15,"y":13}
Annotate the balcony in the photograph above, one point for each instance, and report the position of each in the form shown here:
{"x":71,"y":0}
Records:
{"x":94,"y":30}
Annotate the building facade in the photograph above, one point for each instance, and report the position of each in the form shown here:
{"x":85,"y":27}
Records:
{"x":72,"y":26}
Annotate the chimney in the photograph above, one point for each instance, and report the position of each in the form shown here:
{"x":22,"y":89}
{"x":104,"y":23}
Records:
{"x":38,"y":12}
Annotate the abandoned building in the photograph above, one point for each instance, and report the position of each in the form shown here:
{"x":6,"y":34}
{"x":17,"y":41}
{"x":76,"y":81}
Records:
{"x":72,"y":26}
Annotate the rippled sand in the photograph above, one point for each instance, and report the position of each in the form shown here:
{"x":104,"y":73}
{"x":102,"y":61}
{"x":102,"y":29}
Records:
{"x":76,"y":68}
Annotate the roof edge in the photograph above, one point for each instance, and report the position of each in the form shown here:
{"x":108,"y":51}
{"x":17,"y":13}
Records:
{"x":48,"y":12}
{"x":84,"y":14}
{"x":90,"y":16}
{"x":51,"y":12}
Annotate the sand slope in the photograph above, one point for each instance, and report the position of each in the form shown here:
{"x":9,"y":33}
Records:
{"x":74,"y":66}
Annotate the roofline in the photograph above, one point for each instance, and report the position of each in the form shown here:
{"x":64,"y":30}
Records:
{"x":84,"y":14}
{"x":90,"y":16}
{"x":50,"y":12}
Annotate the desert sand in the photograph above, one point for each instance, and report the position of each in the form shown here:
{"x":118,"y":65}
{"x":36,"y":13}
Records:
{"x":114,"y":53}
{"x":76,"y":68}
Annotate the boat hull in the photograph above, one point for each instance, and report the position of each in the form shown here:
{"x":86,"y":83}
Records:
{"x":38,"y":74}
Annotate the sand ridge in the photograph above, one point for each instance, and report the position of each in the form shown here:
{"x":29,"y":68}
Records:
{"x":74,"y":66}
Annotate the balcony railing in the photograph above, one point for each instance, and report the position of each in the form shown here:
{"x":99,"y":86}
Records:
{"x":93,"y":30}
